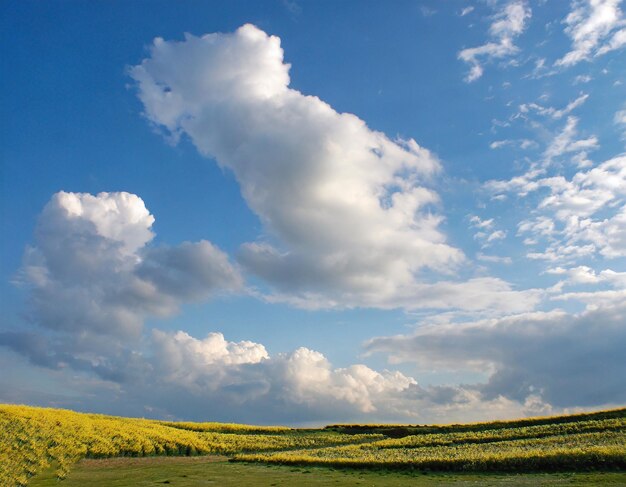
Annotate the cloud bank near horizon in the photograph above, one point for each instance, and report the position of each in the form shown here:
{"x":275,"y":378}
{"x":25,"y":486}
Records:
{"x":94,"y":278}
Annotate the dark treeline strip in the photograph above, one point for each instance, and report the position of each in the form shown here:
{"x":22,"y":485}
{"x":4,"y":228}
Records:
{"x":400,"y":430}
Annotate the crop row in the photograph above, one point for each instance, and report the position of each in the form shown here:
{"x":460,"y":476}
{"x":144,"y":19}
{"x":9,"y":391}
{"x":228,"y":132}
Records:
{"x":489,"y":436}
{"x":606,"y":450}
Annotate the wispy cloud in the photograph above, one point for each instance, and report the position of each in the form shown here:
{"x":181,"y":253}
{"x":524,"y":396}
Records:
{"x":579,"y":217}
{"x":566,"y":141}
{"x":494,"y":259}
{"x":465,"y":11}
{"x":427,"y":11}
{"x":620,"y":120}
{"x":486,"y":232}
{"x":507,"y":24}
{"x":521,"y":143}
{"x":592,"y":26}
{"x":553,"y":112}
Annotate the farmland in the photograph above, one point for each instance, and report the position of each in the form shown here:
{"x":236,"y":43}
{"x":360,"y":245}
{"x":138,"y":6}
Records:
{"x":36,"y":440}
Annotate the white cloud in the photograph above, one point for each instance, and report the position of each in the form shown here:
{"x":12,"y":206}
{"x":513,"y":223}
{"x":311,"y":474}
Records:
{"x":590,"y":25}
{"x":586,"y":275}
{"x":526,"y":144}
{"x":310,"y":379}
{"x":582,"y":275}
{"x":610,"y":234}
{"x":620,"y":120}
{"x":507,"y":24}
{"x":467,"y":10}
{"x":349,"y":217}
{"x":617,"y":42}
{"x":494,"y":259}
{"x":588,"y":191}
{"x":521,"y":185}
{"x":511,"y":20}
{"x":91,"y":270}
{"x":477,"y":294}
{"x":521,"y":143}
{"x":566,"y":142}
{"x":581,"y":216}
{"x":581,"y":160}
{"x":345,"y":203}
{"x":486,"y":233}
{"x":182,"y":353}
{"x":539,"y":71}
{"x":497,"y":235}
{"x":594,"y":299}
{"x":553,"y":112}
{"x":498,"y":144}
{"x":202,"y":365}
{"x":556,"y":270}
{"x":477,"y":222}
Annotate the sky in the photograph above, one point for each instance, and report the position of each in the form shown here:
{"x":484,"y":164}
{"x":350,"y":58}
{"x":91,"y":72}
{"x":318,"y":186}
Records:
{"x":310,"y":212}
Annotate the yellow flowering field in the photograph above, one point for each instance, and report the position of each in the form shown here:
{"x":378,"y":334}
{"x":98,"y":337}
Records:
{"x":32,"y":439}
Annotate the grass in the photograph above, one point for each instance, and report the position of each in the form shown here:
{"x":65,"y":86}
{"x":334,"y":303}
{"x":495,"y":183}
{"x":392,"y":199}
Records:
{"x":217,"y":471}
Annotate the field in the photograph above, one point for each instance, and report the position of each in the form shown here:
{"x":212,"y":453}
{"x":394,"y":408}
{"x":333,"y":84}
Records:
{"x":38,"y":444}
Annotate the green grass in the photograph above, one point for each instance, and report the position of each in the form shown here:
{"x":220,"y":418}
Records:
{"x":206,"y":471}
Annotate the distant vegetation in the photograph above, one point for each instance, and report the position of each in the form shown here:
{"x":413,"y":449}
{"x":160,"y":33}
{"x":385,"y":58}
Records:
{"x":400,"y":430}
{"x":31,"y":439}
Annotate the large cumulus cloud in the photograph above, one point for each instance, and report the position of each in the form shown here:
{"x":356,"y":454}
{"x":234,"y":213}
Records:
{"x":242,"y":378}
{"x":349,"y":214}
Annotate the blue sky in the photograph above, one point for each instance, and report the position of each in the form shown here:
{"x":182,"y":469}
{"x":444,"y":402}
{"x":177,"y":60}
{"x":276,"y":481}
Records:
{"x":307,"y":212}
